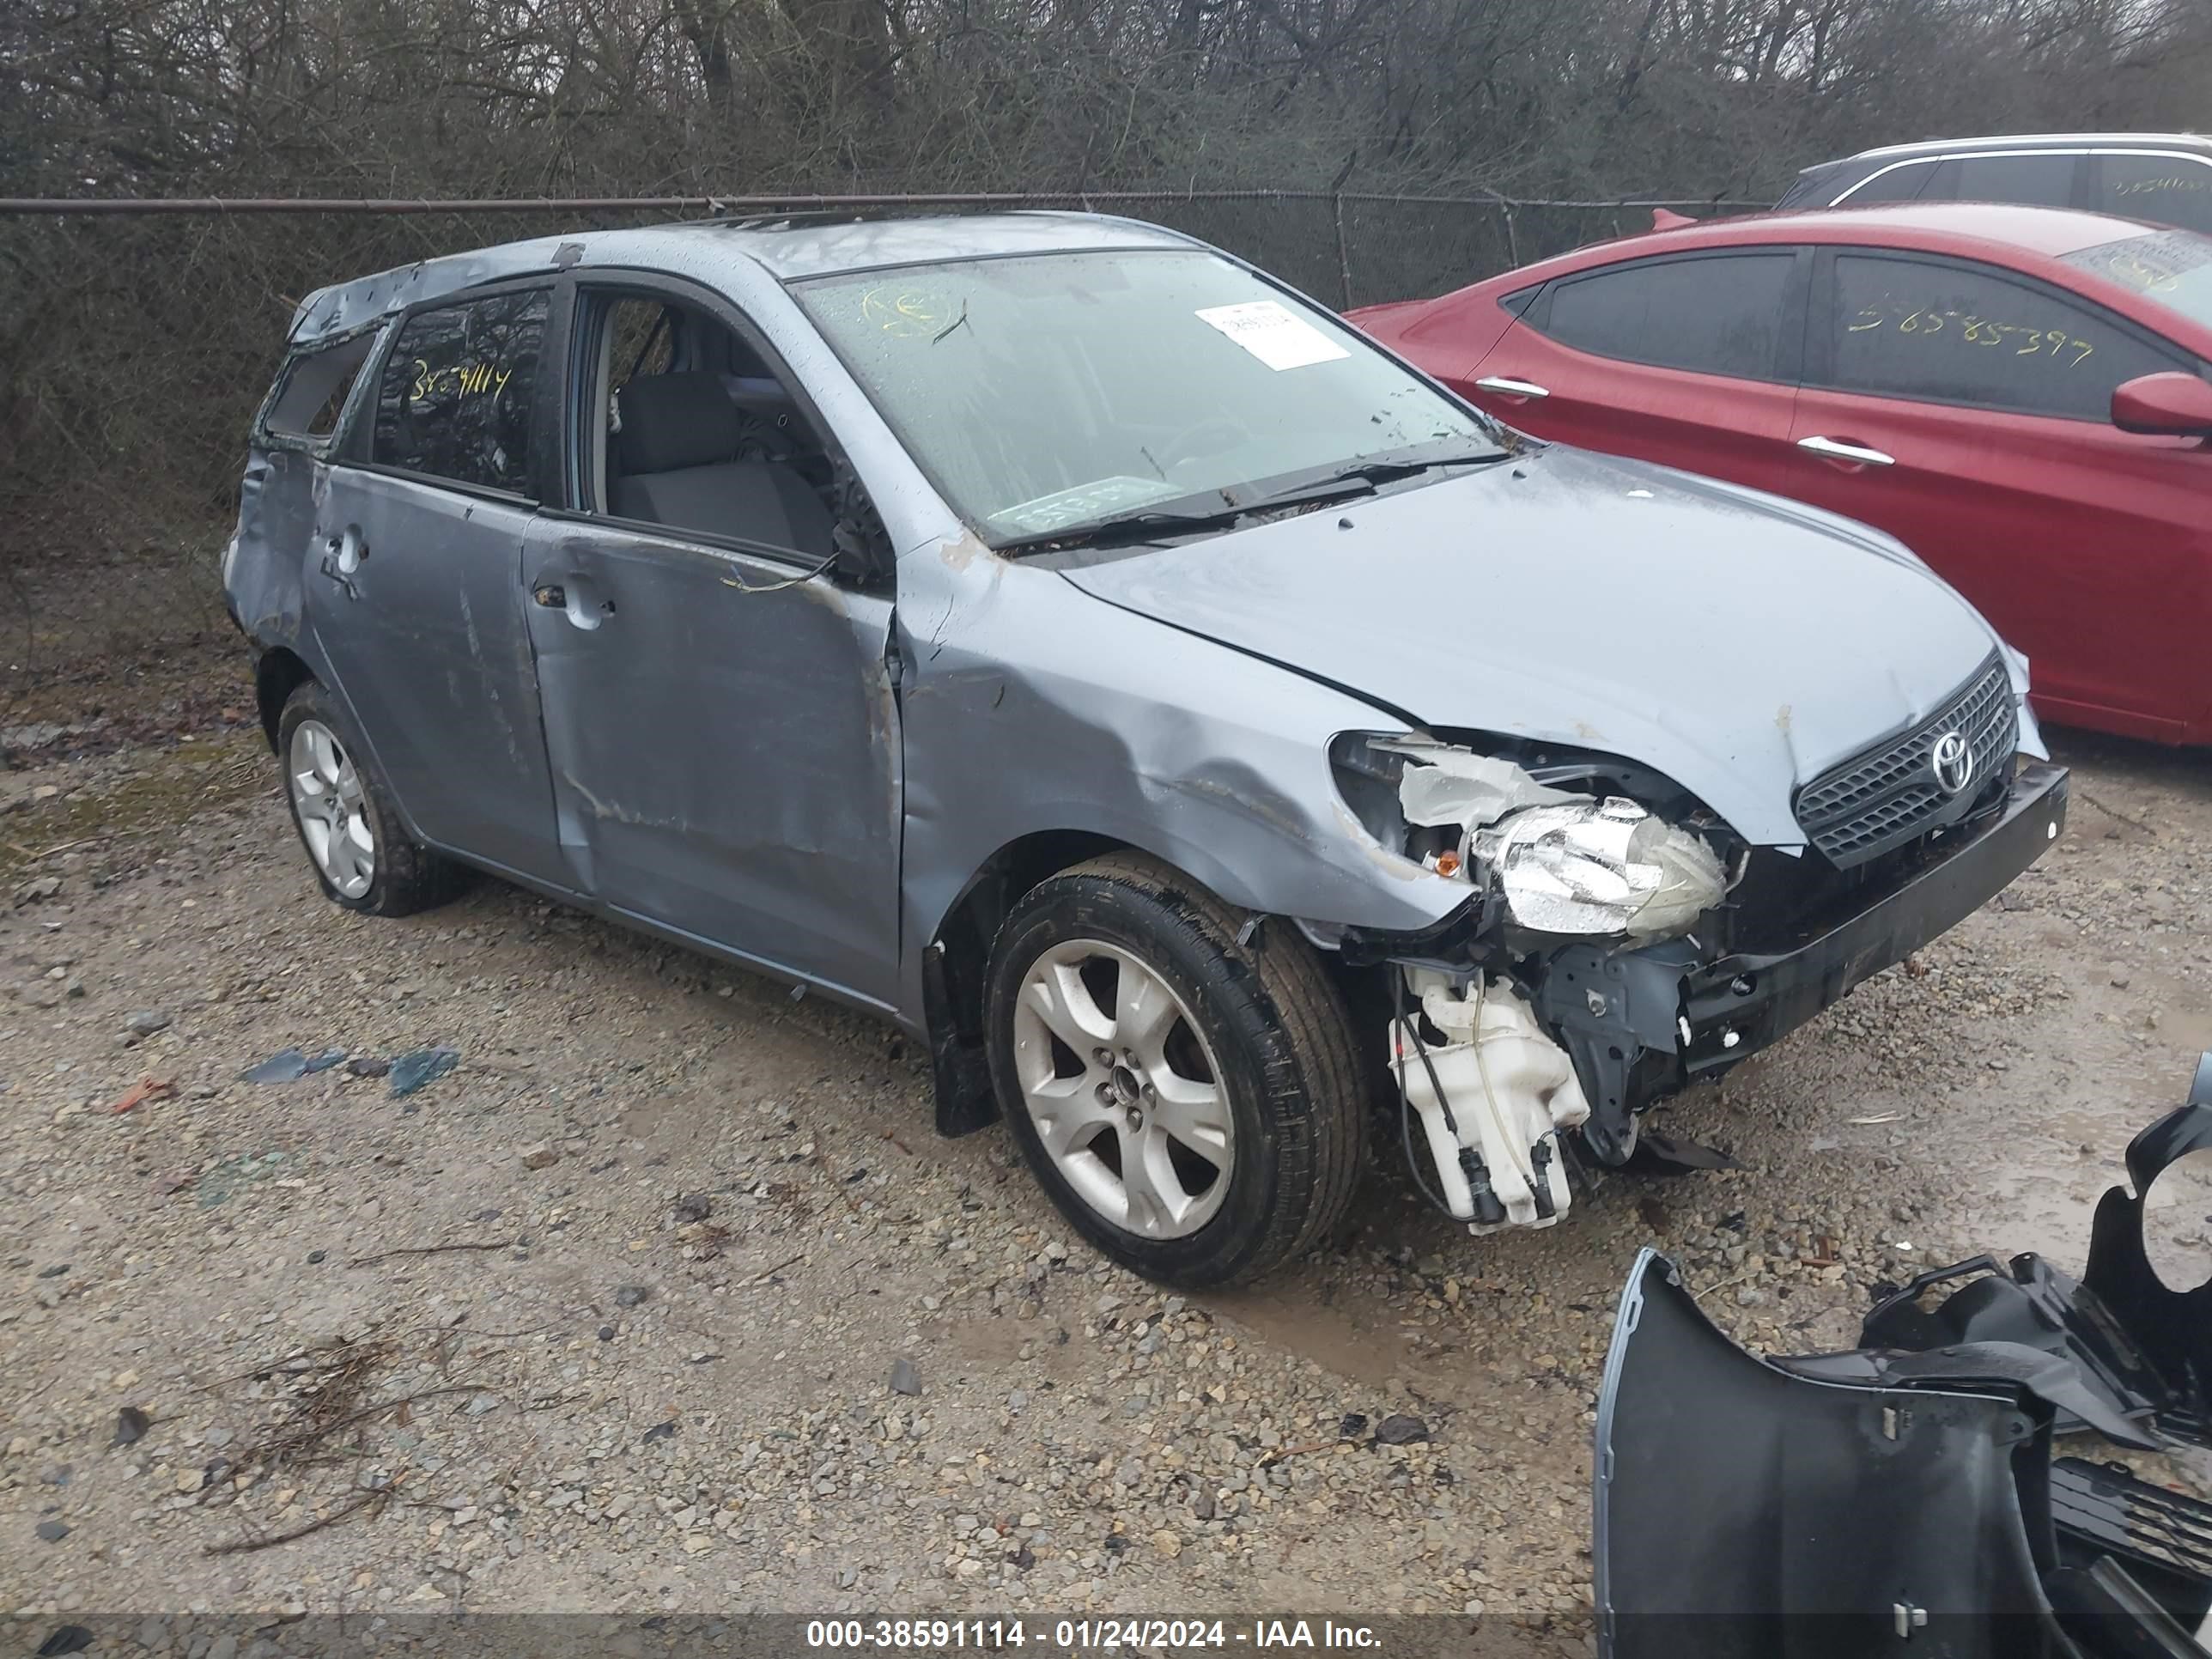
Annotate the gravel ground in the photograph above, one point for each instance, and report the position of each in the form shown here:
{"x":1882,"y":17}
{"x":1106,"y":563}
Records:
{"x":666,"y":1297}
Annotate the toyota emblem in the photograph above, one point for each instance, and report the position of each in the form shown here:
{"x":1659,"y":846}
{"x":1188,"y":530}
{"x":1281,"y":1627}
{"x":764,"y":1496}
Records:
{"x":1953,"y":763}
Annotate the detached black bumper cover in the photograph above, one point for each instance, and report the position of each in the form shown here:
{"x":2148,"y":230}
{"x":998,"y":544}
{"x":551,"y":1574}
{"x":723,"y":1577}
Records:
{"x":1900,"y":1498}
{"x":1742,"y":1512}
{"x":1743,"y":1002}
{"x":1854,"y":1505}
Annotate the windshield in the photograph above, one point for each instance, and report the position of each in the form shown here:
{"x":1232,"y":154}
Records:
{"x":2173,"y":267}
{"x":1045,"y":393}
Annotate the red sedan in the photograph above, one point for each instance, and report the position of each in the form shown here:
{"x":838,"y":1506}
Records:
{"x":2019,"y":394}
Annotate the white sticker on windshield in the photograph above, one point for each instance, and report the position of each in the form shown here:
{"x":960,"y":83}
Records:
{"x":1273,"y":334}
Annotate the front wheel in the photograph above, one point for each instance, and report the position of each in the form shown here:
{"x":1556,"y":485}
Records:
{"x":1192,"y":1104}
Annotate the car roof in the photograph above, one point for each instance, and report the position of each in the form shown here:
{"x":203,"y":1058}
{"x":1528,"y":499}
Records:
{"x":1983,"y":228}
{"x":2027,"y":141}
{"x":2032,"y":240}
{"x":791,"y":247}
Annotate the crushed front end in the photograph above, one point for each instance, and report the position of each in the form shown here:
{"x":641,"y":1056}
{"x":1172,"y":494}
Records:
{"x":1620,"y":941}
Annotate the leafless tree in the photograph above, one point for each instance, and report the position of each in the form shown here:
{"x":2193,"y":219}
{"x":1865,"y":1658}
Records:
{"x":145,"y":343}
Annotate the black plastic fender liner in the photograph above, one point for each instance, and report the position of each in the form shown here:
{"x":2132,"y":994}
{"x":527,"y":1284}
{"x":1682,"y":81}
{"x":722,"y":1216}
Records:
{"x":2029,"y":1302}
{"x":1743,"y":1512}
{"x":2172,"y":1328}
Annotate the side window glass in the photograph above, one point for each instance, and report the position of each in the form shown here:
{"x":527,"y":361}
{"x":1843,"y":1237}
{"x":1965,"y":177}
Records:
{"x":718,"y":444}
{"x":2168,"y":190}
{"x":459,"y":391}
{"x":1902,"y":328}
{"x":312,"y":393}
{"x":2042,"y":180}
{"x":1901,"y":183}
{"x":642,"y":340}
{"x":1716,"y":316}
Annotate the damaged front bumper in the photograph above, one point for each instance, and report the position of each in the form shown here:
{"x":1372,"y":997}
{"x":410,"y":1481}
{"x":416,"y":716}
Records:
{"x":1746,"y":1000}
{"x":1611,"y":1010}
{"x":1901,"y":1497}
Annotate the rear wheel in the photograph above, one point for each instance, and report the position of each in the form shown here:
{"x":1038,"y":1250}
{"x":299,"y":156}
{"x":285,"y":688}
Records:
{"x":355,"y":841}
{"x":1191,"y":1104}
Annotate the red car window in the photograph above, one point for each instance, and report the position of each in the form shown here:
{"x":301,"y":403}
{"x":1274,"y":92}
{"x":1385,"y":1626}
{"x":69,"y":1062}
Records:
{"x":1967,"y":335}
{"x":1720,"y":315}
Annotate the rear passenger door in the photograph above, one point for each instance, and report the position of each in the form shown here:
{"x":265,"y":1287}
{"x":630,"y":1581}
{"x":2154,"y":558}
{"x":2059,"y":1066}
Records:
{"x":718,"y":708}
{"x":1688,"y":361}
{"x":412,"y":581}
{"x":1966,"y":411}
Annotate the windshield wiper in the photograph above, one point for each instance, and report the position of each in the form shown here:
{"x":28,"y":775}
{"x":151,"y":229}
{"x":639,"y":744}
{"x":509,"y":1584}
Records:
{"x":1360,"y":477}
{"x":1144,"y":524}
{"x":1156,"y":524}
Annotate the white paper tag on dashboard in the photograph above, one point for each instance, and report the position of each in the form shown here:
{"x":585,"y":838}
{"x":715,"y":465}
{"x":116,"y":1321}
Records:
{"x":1273,"y":334}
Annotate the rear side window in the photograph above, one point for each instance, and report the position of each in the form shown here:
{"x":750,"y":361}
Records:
{"x":458,"y":397}
{"x":311,"y":394}
{"x":1952,"y":334}
{"x":1897,"y":184}
{"x":2039,"y":180}
{"x":2169,"y":189}
{"x":1716,"y":316}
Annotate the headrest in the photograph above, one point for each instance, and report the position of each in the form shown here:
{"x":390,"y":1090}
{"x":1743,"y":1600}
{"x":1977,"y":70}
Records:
{"x":676,"y":420}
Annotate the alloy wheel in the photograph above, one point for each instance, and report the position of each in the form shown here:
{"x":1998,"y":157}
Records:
{"x":333,"y":812}
{"x":1123,"y":1090}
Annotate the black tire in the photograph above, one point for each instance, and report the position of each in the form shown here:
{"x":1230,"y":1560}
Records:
{"x":407,"y":877}
{"x":1282,"y":1044}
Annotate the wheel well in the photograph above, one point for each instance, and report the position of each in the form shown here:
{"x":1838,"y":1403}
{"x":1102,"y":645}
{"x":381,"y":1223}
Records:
{"x":954,"y":968}
{"x":276,"y":675}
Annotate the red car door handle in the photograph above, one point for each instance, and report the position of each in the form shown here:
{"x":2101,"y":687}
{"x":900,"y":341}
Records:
{"x":1835,"y":449}
{"x":1506,"y":386}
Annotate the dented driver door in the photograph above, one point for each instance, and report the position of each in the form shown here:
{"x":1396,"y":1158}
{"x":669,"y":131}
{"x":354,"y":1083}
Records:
{"x":724,"y":746}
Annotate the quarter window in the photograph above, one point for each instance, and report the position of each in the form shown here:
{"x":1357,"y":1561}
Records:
{"x":460,"y":393}
{"x":2167,"y":189}
{"x":312,"y":393}
{"x":1907,"y":328}
{"x":1716,"y":316}
{"x":1899,"y":184}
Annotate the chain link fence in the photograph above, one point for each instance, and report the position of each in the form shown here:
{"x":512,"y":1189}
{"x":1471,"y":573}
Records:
{"x":142,"y":335}
{"x":137,"y":338}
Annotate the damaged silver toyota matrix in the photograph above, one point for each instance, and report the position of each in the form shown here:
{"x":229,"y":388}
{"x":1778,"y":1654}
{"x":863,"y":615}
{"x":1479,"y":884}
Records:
{"x":1204,"y":731}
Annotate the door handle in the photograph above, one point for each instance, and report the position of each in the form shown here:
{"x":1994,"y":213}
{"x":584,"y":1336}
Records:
{"x":1506,"y":386}
{"x":1834,"y":449}
{"x":571,"y":598}
{"x":342,"y":557}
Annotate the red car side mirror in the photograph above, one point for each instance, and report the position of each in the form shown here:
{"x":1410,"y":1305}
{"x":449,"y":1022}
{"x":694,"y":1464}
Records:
{"x":2173,"y":405}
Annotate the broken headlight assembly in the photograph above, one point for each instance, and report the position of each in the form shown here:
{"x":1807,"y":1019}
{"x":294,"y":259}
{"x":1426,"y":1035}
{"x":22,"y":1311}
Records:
{"x":1561,"y":862}
{"x":1493,"y":1091}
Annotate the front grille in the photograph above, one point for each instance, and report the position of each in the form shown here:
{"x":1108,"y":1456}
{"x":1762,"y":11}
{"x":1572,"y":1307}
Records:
{"x":1888,"y":794}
